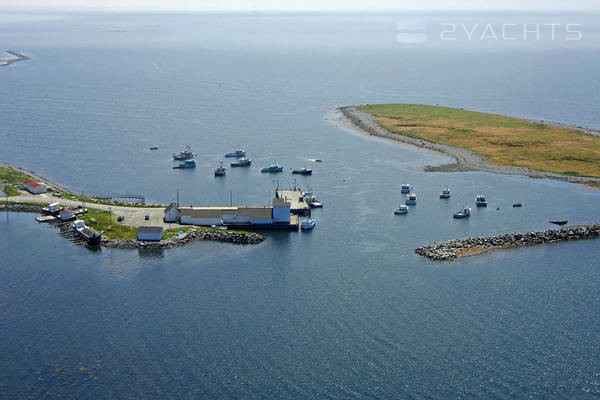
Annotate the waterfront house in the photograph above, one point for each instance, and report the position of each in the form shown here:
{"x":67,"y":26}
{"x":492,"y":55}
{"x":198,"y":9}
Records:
{"x":34,"y":187}
{"x":172,"y":213}
{"x":150,"y":233}
{"x":65,"y":215}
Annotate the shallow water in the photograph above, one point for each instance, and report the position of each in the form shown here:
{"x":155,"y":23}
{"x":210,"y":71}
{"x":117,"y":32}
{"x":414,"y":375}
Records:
{"x":345,"y":311}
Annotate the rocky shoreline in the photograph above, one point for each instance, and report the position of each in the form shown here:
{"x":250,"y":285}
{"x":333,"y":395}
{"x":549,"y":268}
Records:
{"x":466,"y":160}
{"x":21,"y":207}
{"x":192,"y":234}
{"x":452,"y":249}
{"x":179,"y":240}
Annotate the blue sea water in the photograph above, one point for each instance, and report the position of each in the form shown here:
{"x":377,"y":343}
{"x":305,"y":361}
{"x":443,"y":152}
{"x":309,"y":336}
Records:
{"x":345,"y":311}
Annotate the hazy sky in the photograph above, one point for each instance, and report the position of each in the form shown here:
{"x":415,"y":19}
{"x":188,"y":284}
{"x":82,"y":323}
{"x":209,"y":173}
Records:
{"x":307,"y":5}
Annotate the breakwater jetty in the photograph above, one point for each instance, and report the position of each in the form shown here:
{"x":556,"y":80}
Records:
{"x":192,"y":234}
{"x":21,"y":207}
{"x":452,"y":249}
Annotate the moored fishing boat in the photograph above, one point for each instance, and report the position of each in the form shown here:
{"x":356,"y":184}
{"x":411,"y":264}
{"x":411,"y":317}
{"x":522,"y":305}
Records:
{"x":302,"y":171}
{"x":88,"y":234}
{"x":237,"y":153}
{"x":405,"y":188}
{"x":186,"y":164}
{"x":186,"y":154}
{"x":242,"y":162}
{"x":307,"y":224}
{"x":220,"y":171}
{"x":272,"y":168}
{"x":464,"y":213}
{"x":402,"y":209}
{"x":559,"y":221}
{"x":411,"y":199}
{"x":480,"y":201}
{"x":154,"y":147}
{"x":445,"y":193}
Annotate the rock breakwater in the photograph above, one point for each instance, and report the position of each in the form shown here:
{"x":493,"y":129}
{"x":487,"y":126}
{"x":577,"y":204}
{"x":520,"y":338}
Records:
{"x":452,"y":249}
{"x":192,"y":234}
{"x":22,"y":207}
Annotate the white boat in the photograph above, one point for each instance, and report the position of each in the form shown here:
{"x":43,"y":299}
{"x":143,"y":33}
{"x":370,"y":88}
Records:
{"x":403,"y":209}
{"x":464,"y":213}
{"x":307,"y":224}
{"x":405,"y":188}
{"x":411,"y":199}
{"x":445,"y":193}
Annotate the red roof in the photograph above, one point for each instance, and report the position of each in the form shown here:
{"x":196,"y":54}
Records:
{"x":31,"y":184}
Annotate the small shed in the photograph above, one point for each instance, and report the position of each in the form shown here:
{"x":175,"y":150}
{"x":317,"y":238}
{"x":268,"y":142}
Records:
{"x":150,"y":233}
{"x":172,"y":213}
{"x":34,"y":187}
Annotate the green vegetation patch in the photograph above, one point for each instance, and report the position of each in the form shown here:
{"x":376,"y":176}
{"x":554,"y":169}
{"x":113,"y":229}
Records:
{"x":500,"y":140}
{"x":107,"y":225}
{"x":9,"y":178}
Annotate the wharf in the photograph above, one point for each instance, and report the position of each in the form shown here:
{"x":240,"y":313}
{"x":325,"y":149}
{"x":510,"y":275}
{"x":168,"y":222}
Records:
{"x":45,"y":218}
{"x":295,"y":197}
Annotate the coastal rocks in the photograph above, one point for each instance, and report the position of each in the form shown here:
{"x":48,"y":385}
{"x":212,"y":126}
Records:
{"x":453,"y":249}
{"x":192,"y":234}
{"x":22,"y":207}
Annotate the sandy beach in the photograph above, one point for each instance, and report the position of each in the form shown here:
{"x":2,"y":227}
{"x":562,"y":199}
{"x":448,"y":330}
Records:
{"x":465,"y":160}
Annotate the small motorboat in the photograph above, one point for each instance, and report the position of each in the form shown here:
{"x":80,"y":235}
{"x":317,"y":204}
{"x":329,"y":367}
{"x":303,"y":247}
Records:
{"x":315,"y":160}
{"x":186,"y":164}
{"x":480,"y":201}
{"x":403,"y":209}
{"x":183,"y":155}
{"x":464,"y":213}
{"x":237,"y":153}
{"x":307,"y":224}
{"x":220,"y":171}
{"x":154,"y":147}
{"x":272,"y":168}
{"x":517,"y":205}
{"x":559,"y":222}
{"x":405,"y":188}
{"x":242,"y":162}
{"x":411,"y":199}
{"x":445,"y":193}
{"x":302,"y":171}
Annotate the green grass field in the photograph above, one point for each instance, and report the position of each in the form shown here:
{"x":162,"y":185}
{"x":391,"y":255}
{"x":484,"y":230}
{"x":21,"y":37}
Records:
{"x":101,"y":221}
{"x":498,"y":139}
{"x":9,"y":178}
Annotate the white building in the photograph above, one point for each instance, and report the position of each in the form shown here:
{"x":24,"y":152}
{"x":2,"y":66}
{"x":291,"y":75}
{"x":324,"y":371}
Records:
{"x":34,"y":187}
{"x":172,"y":213}
{"x":248,"y":216}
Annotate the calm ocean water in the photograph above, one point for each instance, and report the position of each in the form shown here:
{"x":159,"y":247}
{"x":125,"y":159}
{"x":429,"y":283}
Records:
{"x":346,"y":311}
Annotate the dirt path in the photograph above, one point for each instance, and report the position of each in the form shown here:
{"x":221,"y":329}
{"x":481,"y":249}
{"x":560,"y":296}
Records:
{"x":465,"y":160}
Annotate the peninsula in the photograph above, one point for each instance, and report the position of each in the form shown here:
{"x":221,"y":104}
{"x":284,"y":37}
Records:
{"x":15,"y":57}
{"x":102,"y":214}
{"x":486,"y":142}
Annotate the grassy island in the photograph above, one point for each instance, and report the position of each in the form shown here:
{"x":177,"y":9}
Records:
{"x":498,"y":139}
